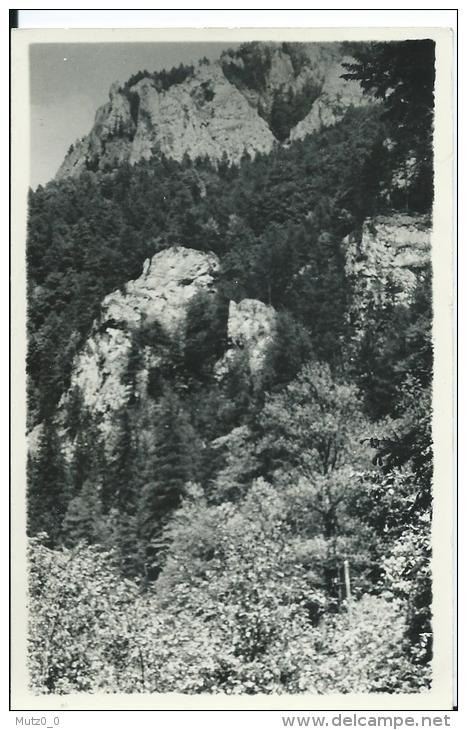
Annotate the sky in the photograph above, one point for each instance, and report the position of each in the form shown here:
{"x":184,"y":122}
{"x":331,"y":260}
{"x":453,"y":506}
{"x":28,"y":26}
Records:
{"x":69,"y":81}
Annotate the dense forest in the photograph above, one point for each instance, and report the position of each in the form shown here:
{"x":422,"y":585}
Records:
{"x":257,"y":533}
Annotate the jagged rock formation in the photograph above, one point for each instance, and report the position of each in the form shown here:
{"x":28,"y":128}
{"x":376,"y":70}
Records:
{"x":170,"y":280}
{"x":109,"y":142}
{"x":266,"y":73}
{"x":245,"y":102}
{"x":204,"y":115}
{"x":336,"y":96}
{"x":162,"y":295}
{"x":306,"y":76}
{"x":388,"y":258}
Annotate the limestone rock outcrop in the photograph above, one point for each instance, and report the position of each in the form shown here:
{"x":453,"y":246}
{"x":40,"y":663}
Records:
{"x":337,"y":95}
{"x":219,"y":110}
{"x":391,"y":254}
{"x":168,"y":282}
{"x":312,"y":68}
{"x":204,"y":115}
{"x":278,"y":73}
{"x":161,"y":294}
{"x":109,"y":141}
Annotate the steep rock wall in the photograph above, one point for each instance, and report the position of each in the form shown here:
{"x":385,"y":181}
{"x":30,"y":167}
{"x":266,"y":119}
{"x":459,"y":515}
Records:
{"x":204,"y":115}
{"x":389,"y":257}
{"x":161,"y":294}
{"x":218,"y":110}
{"x":336,"y":96}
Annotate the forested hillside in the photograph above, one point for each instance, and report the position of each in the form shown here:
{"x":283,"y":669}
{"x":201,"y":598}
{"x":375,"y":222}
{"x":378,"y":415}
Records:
{"x":229,"y":404}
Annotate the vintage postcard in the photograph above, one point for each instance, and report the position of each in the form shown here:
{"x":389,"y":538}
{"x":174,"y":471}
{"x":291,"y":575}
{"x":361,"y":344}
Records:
{"x":232,"y":283}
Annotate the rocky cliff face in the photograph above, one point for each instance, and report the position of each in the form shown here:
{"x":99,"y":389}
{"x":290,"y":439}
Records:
{"x":389,"y":257}
{"x":227,"y":108}
{"x":161,"y":295}
{"x":335,"y":97}
{"x":204,"y":115}
{"x":109,"y":141}
{"x":170,"y":280}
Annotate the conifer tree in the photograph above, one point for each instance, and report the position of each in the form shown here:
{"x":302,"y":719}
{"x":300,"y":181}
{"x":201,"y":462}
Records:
{"x":168,"y":459}
{"x":402,"y":75}
{"x":84,"y":516}
{"x":47,"y":492}
{"x":83,"y":521}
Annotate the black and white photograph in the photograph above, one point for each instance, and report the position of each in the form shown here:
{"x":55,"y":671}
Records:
{"x":229,"y":362}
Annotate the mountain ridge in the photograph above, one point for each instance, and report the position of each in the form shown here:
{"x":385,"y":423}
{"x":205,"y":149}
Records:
{"x":244,"y":103}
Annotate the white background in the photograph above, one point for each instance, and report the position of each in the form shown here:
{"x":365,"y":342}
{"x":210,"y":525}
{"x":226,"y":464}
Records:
{"x":216,"y":17}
